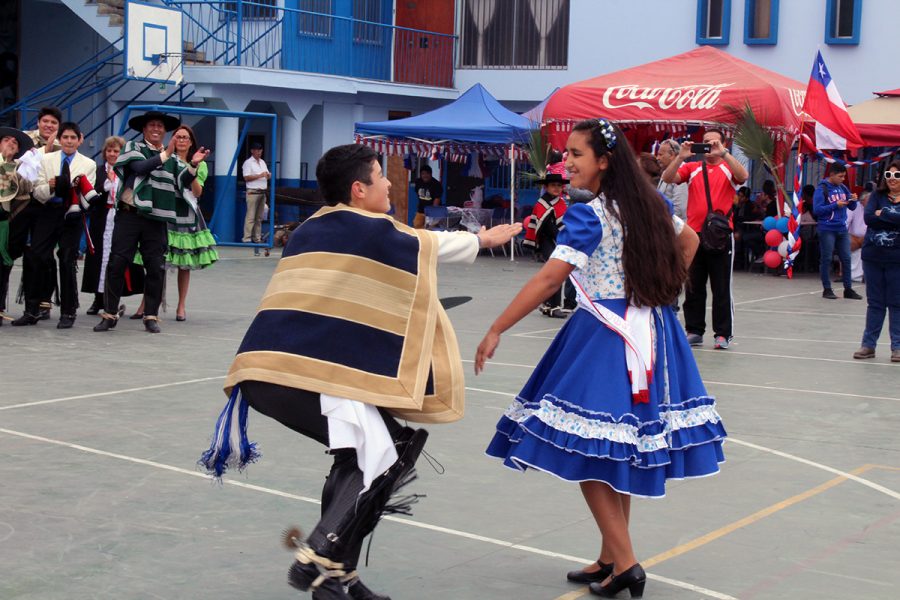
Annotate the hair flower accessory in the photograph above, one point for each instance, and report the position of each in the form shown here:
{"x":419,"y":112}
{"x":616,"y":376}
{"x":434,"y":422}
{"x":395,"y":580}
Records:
{"x":608,"y":132}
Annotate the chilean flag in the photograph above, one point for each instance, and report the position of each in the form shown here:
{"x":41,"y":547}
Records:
{"x":834,"y":128}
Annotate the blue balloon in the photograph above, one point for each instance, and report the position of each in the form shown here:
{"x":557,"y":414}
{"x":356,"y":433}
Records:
{"x":782,"y":225}
{"x":769,"y":223}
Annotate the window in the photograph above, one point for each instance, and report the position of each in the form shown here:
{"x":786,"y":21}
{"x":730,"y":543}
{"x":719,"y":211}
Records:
{"x":842,"y":21}
{"x":761,"y":22}
{"x":258,"y":9}
{"x":367,"y":10}
{"x":515,"y":34}
{"x":713,"y":22}
{"x":318,"y":25}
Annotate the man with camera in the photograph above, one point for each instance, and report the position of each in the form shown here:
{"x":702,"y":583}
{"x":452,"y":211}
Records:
{"x":711,"y":185}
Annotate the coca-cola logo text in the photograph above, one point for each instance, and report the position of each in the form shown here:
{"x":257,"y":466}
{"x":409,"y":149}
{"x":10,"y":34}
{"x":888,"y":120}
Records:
{"x":694,"y":97}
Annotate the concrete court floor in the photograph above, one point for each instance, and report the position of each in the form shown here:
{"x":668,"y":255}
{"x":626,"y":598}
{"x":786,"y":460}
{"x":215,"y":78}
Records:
{"x":100,"y":497}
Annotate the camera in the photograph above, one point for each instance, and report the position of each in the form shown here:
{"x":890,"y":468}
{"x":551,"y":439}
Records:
{"x":701,"y":148}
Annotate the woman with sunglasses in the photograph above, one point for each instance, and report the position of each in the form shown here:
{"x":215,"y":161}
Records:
{"x":881,"y":264}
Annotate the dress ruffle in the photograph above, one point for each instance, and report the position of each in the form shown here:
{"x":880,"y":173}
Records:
{"x":575,"y":419}
{"x":191,"y":247}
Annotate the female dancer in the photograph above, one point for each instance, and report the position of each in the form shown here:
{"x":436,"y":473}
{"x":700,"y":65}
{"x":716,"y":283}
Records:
{"x":189,"y":247}
{"x":616,"y":403}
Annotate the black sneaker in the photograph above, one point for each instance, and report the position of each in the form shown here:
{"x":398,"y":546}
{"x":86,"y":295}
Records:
{"x":44,"y":314}
{"x":851,"y":294}
{"x":151,"y":325}
{"x":829,"y":294}
{"x":303,"y":576}
{"x":65,"y":322}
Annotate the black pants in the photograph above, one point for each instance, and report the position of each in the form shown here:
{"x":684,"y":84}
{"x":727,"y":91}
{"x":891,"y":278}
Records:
{"x":717,"y":268}
{"x":133,"y":232}
{"x":49,"y":230}
{"x":21,"y":228}
{"x":301,"y":411}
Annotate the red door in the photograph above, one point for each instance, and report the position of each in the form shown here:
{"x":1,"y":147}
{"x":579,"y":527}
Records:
{"x":424,"y":58}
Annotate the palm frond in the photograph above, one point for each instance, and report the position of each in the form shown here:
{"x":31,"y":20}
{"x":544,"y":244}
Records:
{"x":751,"y":137}
{"x":538,"y":151}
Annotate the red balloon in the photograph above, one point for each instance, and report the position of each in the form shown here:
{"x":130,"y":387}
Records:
{"x":772,"y":259}
{"x":774,"y":238}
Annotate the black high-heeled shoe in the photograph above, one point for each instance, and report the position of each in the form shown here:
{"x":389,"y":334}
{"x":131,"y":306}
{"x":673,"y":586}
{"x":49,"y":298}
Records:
{"x":582,"y":576}
{"x":633,"y":579}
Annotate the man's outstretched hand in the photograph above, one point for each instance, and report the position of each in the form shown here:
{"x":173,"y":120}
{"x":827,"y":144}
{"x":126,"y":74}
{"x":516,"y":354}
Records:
{"x":499,"y":235}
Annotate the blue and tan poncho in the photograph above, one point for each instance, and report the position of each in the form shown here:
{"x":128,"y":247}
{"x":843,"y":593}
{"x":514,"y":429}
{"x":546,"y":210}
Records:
{"x":352,"y":311}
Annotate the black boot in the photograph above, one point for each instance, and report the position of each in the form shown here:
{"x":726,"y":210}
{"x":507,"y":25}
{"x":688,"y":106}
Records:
{"x":358,"y":591}
{"x":311,"y":572}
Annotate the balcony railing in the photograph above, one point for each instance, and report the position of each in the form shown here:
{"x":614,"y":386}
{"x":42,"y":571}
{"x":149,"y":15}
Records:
{"x":259,"y":34}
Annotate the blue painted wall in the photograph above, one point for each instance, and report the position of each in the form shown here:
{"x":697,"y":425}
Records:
{"x":339,"y":47}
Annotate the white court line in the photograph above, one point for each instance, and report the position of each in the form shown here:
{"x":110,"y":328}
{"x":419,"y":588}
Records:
{"x":528,"y":333}
{"x":812,"y":358}
{"x":418,"y":524}
{"x":802,"y":391}
{"x":775,"y":298}
{"x":112,"y":393}
{"x":761,"y":387}
{"x":797,"y":312}
{"x":856,"y":478}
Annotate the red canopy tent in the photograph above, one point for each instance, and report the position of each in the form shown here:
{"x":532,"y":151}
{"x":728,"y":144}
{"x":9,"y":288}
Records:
{"x":697,"y":88}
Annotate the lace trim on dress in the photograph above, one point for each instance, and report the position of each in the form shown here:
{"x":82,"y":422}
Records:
{"x":562,"y":420}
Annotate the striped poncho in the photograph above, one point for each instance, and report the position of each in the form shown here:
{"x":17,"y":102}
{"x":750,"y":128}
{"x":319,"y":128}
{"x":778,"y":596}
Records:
{"x":158,"y":195}
{"x":352,"y":311}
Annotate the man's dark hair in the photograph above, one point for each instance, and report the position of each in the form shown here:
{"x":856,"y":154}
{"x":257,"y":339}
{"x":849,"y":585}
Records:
{"x":836,"y":168}
{"x":769,"y":187}
{"x":52,"y":111}
{"x":744,"y":191}
{"x":68,"y":126}
{"x":808,"y":191}
{"x":256,"y":146}
{"x":719,"y":131}
{"x":340,"y":167}
{"x":426,"y":168}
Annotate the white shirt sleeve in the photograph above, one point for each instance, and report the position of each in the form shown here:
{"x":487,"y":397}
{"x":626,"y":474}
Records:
{"x":457,"y":246}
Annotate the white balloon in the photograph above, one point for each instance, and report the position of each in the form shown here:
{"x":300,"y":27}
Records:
{"x":783,"y":248}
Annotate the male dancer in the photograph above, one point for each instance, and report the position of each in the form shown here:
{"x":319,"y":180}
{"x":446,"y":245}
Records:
{"x":337,"y":364}
{"x":13,"y":144}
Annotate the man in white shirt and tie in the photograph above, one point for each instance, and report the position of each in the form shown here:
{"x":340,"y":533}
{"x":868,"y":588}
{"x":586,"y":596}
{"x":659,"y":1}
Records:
{"x":58,"y":175}
{"x":256,"y":176}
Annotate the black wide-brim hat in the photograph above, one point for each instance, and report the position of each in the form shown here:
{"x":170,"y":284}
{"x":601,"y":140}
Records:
{"x":25,"y":142}
{"x":553,"y":178}
{"x":139,"y":122}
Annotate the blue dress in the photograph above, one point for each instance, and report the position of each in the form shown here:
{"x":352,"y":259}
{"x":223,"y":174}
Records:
{"x":575,"y":417}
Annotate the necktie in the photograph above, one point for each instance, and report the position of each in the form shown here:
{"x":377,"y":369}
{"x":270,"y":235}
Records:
{"x":64,"y":181}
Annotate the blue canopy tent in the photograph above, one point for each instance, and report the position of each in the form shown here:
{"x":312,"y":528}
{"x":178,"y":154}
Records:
{"x":475,"y":120}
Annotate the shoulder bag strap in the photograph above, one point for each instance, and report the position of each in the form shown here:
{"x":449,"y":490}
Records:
{"x":709,"y":206}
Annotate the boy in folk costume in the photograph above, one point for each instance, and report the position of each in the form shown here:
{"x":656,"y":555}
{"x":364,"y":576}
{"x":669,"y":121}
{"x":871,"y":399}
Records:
{"x":62,"y":174}
{"x":349,"y":335}
{"x":543,"y":226}
{"x":13,"y":144}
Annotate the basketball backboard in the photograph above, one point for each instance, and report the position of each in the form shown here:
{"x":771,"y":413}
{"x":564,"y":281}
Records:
{"x":153,"y":43}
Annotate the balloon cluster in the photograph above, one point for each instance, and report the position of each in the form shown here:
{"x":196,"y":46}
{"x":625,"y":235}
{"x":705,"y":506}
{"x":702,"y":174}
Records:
{"x":775,"y":230}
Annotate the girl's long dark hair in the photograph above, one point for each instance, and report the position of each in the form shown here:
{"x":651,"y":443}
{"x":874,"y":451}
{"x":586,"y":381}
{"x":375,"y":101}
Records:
{"x":654,"y":267}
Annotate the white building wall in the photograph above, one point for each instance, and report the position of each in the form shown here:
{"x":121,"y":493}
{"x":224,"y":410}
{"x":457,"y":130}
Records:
{"x":610,"y":35}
